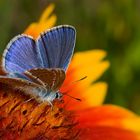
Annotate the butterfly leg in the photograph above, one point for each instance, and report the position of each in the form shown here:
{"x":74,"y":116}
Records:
{"x":26,"y":101}
{"x":50,"y":103}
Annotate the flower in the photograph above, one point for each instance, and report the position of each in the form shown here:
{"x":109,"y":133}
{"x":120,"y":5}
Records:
{"x":97,"y":121}
{"x":84,"y":120}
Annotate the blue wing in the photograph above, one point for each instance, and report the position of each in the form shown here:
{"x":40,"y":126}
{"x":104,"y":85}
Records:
{"x":56,"y":46}
{"x":21,"y":54}
{"x":53,"y":49}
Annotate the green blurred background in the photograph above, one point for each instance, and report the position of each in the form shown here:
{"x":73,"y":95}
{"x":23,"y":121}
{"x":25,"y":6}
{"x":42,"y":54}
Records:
{"x":112,"y":25}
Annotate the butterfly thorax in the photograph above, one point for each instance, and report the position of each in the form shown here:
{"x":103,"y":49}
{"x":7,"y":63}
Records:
{"x":49,"y":96}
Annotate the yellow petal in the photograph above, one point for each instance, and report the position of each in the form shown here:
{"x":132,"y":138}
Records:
{"x":91,"y":57}
{"x":92,"y":71}
{"x":90,"y":64}
{"x":96,"y":94}
{"x":49,"y":23}
{"x":132,"y":124}
{"x":47,"y":12}
{"x":45,"y":22}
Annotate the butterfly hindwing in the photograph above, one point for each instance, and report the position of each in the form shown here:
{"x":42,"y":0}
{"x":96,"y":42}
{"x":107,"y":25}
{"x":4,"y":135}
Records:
{"x":52,"y":79}
{"x":56,"y":46}
{"x":25,"y":86}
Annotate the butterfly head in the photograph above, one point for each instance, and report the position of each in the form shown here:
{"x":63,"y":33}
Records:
{"x":58,"y":95}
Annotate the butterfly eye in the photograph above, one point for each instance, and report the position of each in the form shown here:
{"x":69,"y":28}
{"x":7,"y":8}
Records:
{"x":58,"y":95}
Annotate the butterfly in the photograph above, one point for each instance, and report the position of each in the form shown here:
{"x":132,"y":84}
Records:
{"x":38,"y":67}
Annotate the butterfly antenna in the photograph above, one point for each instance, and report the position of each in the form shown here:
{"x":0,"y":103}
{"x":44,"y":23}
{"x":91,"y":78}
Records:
{"x":66,"y":93}
{"x":78,"y":99}
{"x":80,"y":79}
{"x":26,"y":101}
{"x":76,"y":81}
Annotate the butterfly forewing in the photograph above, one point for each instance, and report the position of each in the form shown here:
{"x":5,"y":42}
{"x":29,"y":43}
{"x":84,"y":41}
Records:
{"x":21,"y":54}
{"x":56,"y":46}
{"x":52,"y":79}
{"x":52,"y":49}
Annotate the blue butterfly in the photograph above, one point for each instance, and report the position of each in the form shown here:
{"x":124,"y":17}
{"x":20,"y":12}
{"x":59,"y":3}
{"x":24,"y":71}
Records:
{"x":37,"y":67}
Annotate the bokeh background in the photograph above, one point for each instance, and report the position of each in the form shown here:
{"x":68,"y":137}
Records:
{"x":112,"y":25}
